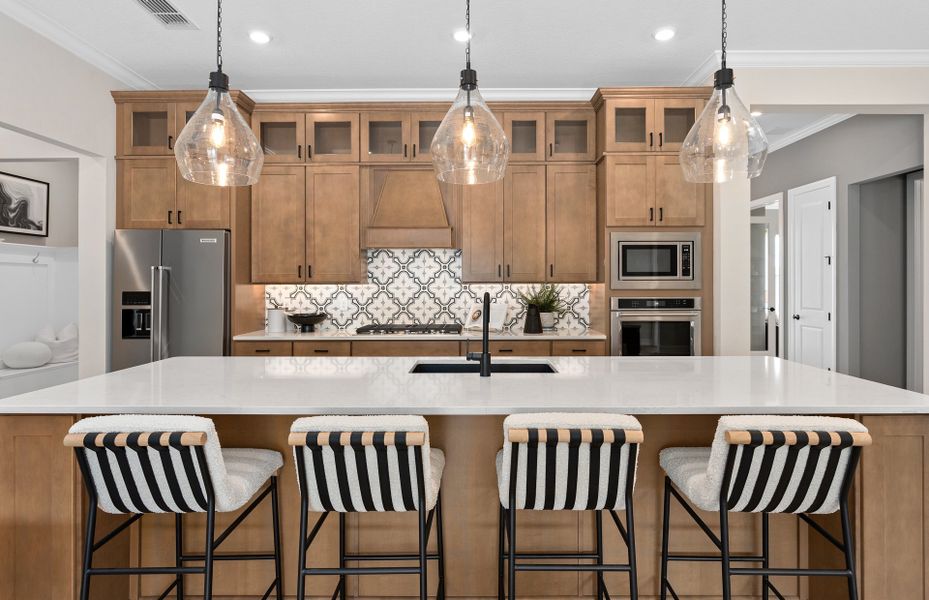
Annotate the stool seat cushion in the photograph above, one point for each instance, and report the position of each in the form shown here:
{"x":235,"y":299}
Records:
{"x":687,"y":468}
{"x":236,"y":474}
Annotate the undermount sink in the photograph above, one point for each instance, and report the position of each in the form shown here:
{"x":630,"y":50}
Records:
{"x":474,"y":367}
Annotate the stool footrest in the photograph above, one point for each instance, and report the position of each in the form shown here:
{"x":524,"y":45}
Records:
{"x":572,"y":568}
{"x":363,"y":571}
{"x":791,"y":572}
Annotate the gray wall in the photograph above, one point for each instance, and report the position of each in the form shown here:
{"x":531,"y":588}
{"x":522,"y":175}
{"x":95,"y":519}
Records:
{"x":882,"y":271}
{"x":860,"y":149}
{"x":61,"y":176}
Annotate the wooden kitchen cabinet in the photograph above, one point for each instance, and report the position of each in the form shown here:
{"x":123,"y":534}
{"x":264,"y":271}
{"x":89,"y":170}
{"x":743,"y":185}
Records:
{"x":524,"y":226}
{"x":153,"y":195}
{"x":279,"y":225}
{"x":526,"y":132}
{"x":405,"y":348}
{"x":648,"y":124}
{"x":571,"y":232}
{"x":333,"y":244}
{"x":506,"y":348}
{"x":331,"y":137}
{"x":202,"y":206}
{"x":282,"y":135}
{"x":482,"y":227}
{"x":571,"y":135}
{"x":262,"y":349}
{"x":644,"y":190}
{"x":579,"y":348}
{"x":147,"y":128}
{"x":423,"y":126}
{"x":323,"y":348}
{"x":385,"y":137}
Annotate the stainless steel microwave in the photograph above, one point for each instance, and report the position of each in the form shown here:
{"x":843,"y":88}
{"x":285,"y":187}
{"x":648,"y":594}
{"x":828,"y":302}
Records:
{"x":655,"y":260}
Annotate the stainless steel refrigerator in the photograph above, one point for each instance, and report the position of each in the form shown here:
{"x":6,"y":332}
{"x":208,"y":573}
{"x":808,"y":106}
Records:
{"x":170,"y":295}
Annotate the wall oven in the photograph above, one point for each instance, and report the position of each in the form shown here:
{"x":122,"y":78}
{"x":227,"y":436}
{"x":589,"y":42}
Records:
{"x":655,"y":326}
{"x":655,"y":260}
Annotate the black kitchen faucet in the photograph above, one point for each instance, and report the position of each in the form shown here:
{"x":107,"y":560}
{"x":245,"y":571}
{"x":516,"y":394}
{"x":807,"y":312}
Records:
{"x":484,"y":355}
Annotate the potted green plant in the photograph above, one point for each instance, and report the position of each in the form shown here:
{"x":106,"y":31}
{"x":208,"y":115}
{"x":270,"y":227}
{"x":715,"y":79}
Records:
{"x":548,"y":298}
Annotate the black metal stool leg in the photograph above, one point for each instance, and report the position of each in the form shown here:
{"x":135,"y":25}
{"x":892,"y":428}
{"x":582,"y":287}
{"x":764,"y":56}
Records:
{"x":724,"y":539}
{"x":633,"y":569}
{"x":500,"y":561}
{"x":511,"y":538}
{"x":208,"y":555}
{"x":765,"y":555}
{"x":598,"y":516}
{"x":178,"y":552}
{"x":342,"y":580}
{"x":665,"y":538}
{"x":440,"y":546}
{"x":276,"y":523}
{"x":301,"y":554}
{"x":89,"y":548}
{"x":848,"y":548}
{"x":423,"y":567}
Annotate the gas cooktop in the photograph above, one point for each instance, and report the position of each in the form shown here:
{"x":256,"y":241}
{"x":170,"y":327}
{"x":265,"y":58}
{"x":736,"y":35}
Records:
{"x":431,"y":328}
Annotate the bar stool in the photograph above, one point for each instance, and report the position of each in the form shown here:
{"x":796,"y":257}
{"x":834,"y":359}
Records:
{"x":765,"y":464}
{"x":554,"y":461}
{"x":139,"y":464}
{"x":368,"y":464}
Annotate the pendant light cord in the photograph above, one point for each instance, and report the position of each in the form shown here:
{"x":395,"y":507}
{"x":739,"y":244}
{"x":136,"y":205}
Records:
{"x":725,"y":35}
{"x":468,"y":30}
{"x":219,"y":35}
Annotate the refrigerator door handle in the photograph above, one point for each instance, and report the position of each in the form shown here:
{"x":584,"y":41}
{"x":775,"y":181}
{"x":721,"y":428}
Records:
{"x":156,"y":321}
{"x":164,"y":274}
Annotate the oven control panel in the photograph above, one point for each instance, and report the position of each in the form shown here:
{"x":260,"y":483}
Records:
{"x":656,"y":303}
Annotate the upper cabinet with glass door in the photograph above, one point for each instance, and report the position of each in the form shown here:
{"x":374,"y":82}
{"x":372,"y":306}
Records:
{"x":398,"y":136}
{"x":526,"y":132}
{"x":647,"y":124}
{"x":296,"y":137}
{"x":570,"y":135}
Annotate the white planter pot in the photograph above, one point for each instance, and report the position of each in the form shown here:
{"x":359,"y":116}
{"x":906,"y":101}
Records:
{"x":548,"y":320}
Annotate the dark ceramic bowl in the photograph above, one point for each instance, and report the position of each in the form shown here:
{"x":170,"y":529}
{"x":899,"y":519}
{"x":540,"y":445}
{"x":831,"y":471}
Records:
{"x":307,"y":321}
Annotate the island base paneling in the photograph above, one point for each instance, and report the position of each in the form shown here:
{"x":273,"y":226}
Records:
{"x":43,"y":508}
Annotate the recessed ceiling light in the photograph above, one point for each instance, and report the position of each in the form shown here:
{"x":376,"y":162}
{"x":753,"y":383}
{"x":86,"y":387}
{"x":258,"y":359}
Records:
{"x":664,"y":34}
{"x":757,"y":113}
{"x":259,"y":37}
{"x":461,"y":35}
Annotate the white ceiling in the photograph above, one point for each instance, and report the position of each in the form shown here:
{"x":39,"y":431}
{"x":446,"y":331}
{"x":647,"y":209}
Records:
{"x":356,"y":44}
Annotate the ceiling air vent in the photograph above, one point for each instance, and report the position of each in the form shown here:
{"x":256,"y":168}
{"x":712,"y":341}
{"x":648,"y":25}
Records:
{"x":165,"y":12}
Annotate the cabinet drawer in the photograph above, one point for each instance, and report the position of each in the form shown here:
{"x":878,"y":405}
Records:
{"x":402,"y":348}
{"x":322,"y":348}
{"x":514,"y":348}
{"x":261,"y":349}
{"x":579,"y":348}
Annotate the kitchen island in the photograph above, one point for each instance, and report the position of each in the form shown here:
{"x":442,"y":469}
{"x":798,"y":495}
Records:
{"x":254,"y":400}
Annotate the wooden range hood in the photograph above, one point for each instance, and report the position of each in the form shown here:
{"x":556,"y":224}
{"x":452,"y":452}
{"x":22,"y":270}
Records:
{"x":407,"y":208}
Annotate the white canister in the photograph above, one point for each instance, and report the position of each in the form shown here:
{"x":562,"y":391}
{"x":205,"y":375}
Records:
{"x":277,"y":320}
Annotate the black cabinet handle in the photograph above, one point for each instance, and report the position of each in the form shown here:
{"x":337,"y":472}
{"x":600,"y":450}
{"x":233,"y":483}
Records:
{"x":309,"y":151}
{"x":299,"y":151}
{"x":499,"y":270}
{"x":299,"y":271}
{"x":404,"y":150}
{"x":551,"y":149}
{"x":170,"y":142}
{"x":179,"y":213}
{"x":505,"y":350}
{"x":551,"y":270}
{"x":309,"y":271}
{"x":651,"y":214}
{"x":170,"y":212}
{"x":414,"y":150}
{"x":661,"y":213}
{"x":321,"y":351}
{"x":660,"y":139}
{"x":578,"y":349}
{"x":651,"y":139}
{"x":508,"y":270}
{"x":262,"y":350}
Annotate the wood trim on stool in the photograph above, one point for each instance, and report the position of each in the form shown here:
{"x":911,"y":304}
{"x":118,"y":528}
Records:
{"x":299,"y":438}
{"x":188,"y":438}
{"x":521,"y":436}
{"x":744,"y":438}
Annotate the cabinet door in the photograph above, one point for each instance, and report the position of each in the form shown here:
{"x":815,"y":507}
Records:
{"x":514,"y":348}
{"x":482,"y":218}
{"x":146,"y":193}
{"x":148,"y":129}
{"x":322,"y":348}
{"x":404,"y":348}
{"x":524,"y":223}
{"x":423,"y":127}
{"x":333,"y":243}
{"x":281,"y":135}
{"x":332,"y":137}
{"x":578,"y":348}
{"x":278,"y":225}
{"x":571,"y":192}
{"x":385,"y":137}
{"x":629,"y":125}
{"x":678,"y":202}
{"x":526,"y":132}
{"x":202,"y":206}
{"x":261,"y":349}
{"x":674,"y":118}
{"x":630,"y":193}
{"x":571,"y":135}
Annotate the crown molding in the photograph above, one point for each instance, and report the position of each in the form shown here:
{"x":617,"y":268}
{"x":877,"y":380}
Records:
{"x":419,"y":95}
{"x":46,"y":27}
{"x":807,"y":59}
{"x":814,"y":127}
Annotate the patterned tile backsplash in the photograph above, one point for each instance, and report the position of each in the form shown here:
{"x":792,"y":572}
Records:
{"x":416,"y":286}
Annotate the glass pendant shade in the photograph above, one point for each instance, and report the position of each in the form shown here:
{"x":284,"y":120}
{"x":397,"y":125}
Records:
{"x":470,"y":147}
{"x":217,"y":147}
{"x":725,"y":143}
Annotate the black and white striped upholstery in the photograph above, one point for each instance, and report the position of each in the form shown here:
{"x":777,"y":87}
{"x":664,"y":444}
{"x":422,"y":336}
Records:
{"x":367,"y":475}
{"x":170,"y":478}
{"x":572,"y":475}
{"x":777,"y":477}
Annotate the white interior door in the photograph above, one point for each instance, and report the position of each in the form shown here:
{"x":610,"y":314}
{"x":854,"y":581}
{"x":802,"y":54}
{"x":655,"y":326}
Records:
{"x":811,"y":273}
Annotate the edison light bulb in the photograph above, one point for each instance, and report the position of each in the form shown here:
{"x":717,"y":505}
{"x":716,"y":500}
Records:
{"x":217,"y":128}
{"x":723,"y":127}
{"x":467,"y":129}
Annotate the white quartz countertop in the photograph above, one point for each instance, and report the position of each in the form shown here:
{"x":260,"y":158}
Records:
{"x":334,"y":385}
{"x":350,"y":335}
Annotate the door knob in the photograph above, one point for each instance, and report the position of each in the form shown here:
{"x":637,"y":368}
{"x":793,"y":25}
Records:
{"x":796,"y":317}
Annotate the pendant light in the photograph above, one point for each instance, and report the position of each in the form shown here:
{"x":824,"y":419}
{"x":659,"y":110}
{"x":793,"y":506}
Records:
{"x":726,"y":142}
{"x":469,"y":146}
{"x":217,"y":147}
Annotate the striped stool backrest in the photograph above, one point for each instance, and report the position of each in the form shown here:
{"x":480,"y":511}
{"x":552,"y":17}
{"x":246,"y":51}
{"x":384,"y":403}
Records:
{"x":138,"y":467}
{"x":788,"y":464}
{"x":554,"y":461}
{"x":362,"y":464}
